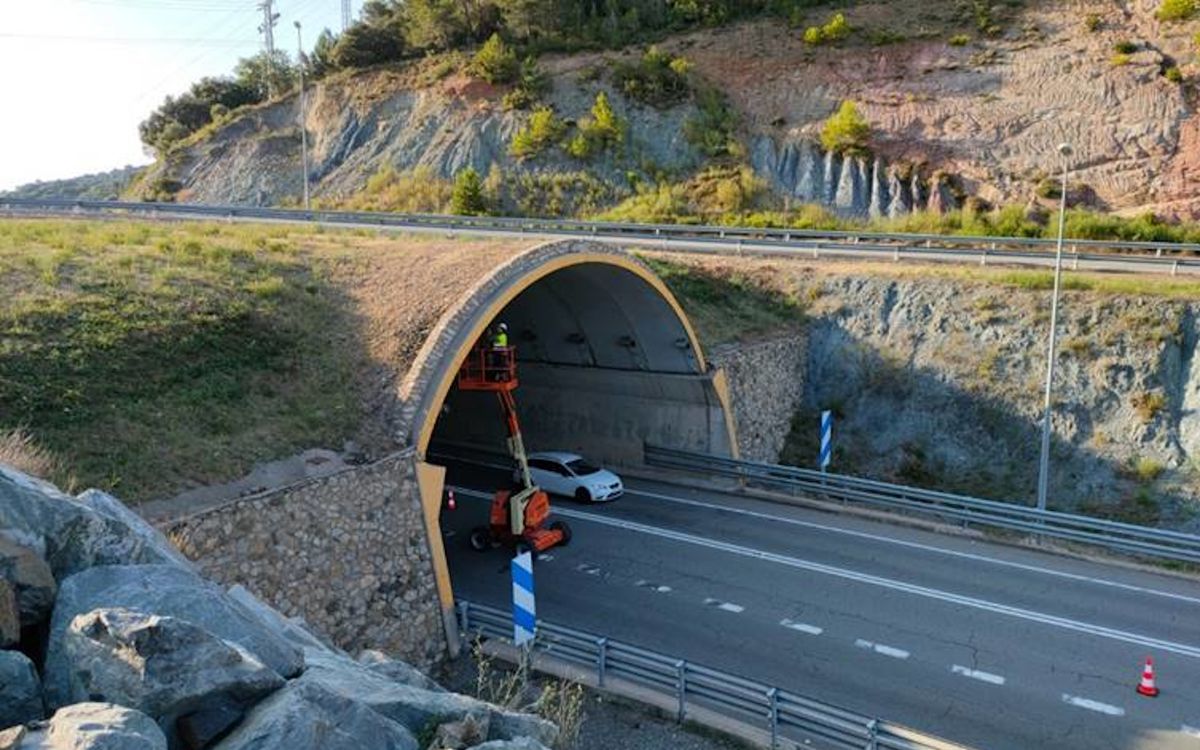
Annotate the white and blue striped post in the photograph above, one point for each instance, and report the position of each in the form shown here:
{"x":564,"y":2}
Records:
{"x":826,"y":439}
{"x":524,"y":609}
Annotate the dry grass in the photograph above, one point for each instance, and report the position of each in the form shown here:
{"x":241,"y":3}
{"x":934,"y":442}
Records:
{"x":19,"y":450}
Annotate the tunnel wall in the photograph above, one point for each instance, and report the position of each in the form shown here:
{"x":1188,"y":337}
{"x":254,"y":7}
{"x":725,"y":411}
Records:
{"x":608,"y":415}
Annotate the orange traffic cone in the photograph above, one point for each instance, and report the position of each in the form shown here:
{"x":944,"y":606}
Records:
{"x":1146,"y":686}
{"x":450,"y":500}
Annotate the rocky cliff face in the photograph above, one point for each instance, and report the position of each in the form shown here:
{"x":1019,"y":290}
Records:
{"x":981,"y":116}
{"x":936,"y":380}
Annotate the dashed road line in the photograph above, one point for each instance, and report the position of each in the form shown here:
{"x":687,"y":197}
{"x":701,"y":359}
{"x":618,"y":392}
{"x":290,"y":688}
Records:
{"x":449,"y":533}
{"x":588,"y":568}
{"x":545,"y":557}
{"x":879,"y":648}
{"x":975,"y":674}
{"x":644,"y":584}
{"x":1092,"y":705}
{"x":801,"y":627}
{"x":727,"y":606}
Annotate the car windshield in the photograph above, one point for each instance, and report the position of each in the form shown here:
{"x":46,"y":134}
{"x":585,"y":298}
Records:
{"x":581,"y":468}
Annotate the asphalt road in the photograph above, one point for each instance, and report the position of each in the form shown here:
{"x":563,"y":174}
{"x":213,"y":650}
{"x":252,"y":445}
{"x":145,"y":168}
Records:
{"x":983,"y":644}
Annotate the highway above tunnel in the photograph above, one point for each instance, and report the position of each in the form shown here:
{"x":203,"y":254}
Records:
{"x":985,"y":644}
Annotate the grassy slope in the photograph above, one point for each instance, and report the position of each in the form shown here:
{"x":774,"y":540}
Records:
{"x":150,"y":357}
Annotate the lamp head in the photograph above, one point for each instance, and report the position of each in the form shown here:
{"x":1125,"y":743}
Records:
{"x":296,"y":24}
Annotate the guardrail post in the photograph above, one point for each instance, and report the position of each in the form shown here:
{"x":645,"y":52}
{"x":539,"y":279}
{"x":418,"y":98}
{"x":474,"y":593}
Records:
{"x":983,"y":258}
{"x":681,"y":671}
{"x":1075,"y":263}
{"x":601,"y":660}
{"x":896,"y":255}
{"x":773,"y":715}
{"x":1175,"y":268}
{"x":464,"y":618}
{"x":873,"y":735}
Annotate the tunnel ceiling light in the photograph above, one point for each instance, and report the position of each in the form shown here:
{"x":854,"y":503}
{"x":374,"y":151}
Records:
{"x":627,"y":342}
{"x":576,"y":338}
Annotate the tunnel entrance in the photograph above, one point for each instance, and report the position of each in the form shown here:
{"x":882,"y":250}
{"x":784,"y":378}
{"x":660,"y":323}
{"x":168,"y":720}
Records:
{"x":606,"y":364}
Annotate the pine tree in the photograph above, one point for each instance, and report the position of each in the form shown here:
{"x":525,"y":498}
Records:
{"x":468,"y":198}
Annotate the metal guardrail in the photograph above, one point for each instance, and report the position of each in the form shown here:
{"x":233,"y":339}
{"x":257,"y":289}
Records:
{"x":782,"y":714}
{"x":1154,"y":257}
{"x":1112,"y":535}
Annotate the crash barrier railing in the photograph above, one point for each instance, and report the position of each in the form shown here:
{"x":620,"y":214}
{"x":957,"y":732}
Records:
{"x":1112,"y":535}
{"x":1155,"y":257}
{"x":781,"y":714}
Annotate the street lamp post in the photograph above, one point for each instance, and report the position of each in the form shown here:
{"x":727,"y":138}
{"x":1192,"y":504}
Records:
{"x":1044,"y":465}
{"x":303,"y":129}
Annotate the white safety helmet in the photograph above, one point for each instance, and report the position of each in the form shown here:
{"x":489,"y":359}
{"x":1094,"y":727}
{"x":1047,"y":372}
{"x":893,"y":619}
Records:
{"x":503,"y":326}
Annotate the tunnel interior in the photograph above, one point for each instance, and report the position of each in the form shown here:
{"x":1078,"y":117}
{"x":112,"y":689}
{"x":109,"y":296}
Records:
{"x":606,"y":364}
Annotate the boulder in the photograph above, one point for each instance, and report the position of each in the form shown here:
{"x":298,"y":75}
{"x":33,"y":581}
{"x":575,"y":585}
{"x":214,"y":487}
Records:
{"x":305,"y":716}
{"x":10,"y":616}
{"x":520,"y":743}
{"x":457,"y":735}
{"x":293,"y":629}
{"x":22,"y":566}
{"x":20,"y":690}
{"x":69,"y":535}
{"x":96,"y":726}
{"x":397,"y":671}
{"x":163,"y":666}
{"x":413,"y":707}
{"x":148,"y":536}
{"x":168,"y":591}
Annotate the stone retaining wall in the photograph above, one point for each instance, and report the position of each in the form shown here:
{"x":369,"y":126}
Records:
{"x":348,"y":553}
{"x":766,"y":385}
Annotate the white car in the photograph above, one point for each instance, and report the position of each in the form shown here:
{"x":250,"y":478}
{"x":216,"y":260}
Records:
{"x":569,"y":474}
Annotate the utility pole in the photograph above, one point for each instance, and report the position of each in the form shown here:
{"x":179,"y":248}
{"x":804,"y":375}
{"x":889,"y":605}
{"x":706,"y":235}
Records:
{"x":303,"y":129}
{"x":346,"y":16}
{"x":267,"y":29}
{"x":1044,"y":464}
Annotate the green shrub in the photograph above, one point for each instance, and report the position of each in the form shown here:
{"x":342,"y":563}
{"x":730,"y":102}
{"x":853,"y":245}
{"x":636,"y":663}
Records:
{"x":711,"y":129}
{"x":543,"y":130}
{"x":495,"y":62}
{"x":468,"y":198}
{"x":846,"y":131}
{"x":1048,"y":187}
{"x":960,"y":40}
{"x":1118,"y":60}
{"x":1177,"y":10}
{"x":834,"y":31}
{"x":532,"y":84}
{"x":1147,"y":469}
{"x":1092,"y":22}
{"x":1149,"y":404}
{"x":658,"y":78}
{"x":1125,"y":47}
{"x":418,"y":191}
{"x":1173,"y":74}
{"x":603,"y":130}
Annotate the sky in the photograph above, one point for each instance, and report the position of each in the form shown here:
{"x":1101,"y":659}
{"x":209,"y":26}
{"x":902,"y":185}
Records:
{"x":77,"y":76}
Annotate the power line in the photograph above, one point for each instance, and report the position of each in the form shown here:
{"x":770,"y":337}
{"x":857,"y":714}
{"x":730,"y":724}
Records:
{"x":227,"y":42}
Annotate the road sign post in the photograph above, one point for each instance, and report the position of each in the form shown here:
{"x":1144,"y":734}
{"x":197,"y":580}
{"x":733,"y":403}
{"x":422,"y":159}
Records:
{"x":524,"y":609}
{"x":826,"y":439}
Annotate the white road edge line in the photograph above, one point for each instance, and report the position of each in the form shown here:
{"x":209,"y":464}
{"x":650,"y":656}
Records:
{"x":1092,"y":705}
{"x":879,"y":648}
{"x":917,"y":545}
{"x":975,"y":674}
{"x":1064,"y":623}
{"x":800,"y":626}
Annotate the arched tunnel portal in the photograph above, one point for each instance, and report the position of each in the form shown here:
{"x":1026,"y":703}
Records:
{"x":607,"y":362}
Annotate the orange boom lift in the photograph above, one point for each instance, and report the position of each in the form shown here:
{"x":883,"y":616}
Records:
{"x":520,"y":516}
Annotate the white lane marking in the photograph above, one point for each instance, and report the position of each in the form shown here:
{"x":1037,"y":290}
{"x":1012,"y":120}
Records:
{"x":449,"y":533}
{"x":644,"y":584}
{"x":909,"y":588}
{"x":1192,"y":731}
{"x":588,"y":568}
{"x":1092,"y":705}
{"x":727,"y":606}
{"x":800,"y":626}
{"x":545,"y":557}
{"x":975,"y":674}
{"x":917,"y":545}
{"x":879,"y":648}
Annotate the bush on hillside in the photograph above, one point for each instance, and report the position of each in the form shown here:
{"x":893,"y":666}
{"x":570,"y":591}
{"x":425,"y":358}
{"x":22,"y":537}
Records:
{"x":179,"y":117}
{"x":712,"y":128}
{"x":468,"y":198}
{"x":543,"y":130}
{"x":363,"y":45}
{"x":1177,"y":10}
{"x":495,"y":62}
{"x":658,"y":78}
{"x":532,"y":85}
{"x":835,"y":30}
{"x":1125,"y":47}
{"x":603,"y":130}
{"x":846,"y":131}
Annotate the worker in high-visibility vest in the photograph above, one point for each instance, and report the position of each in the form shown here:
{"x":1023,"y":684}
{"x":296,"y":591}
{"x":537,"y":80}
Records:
{"x":500,"y":364}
